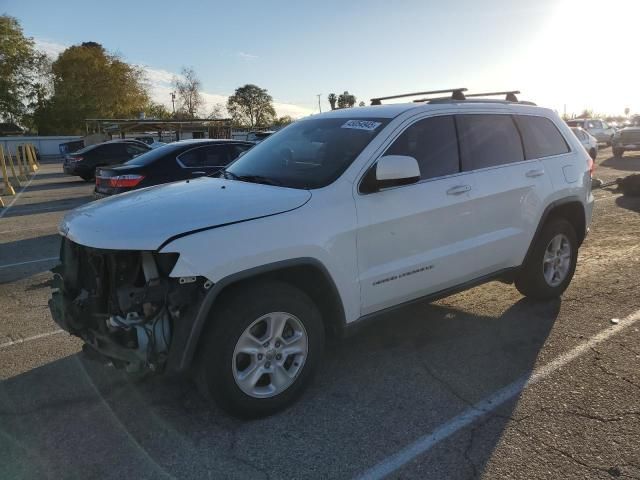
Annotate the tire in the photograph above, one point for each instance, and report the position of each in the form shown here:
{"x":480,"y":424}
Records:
{"x":531,"y":280}
{"x":618,"y":152}
{"x":252,"y":309}
{"x":87,"y":178}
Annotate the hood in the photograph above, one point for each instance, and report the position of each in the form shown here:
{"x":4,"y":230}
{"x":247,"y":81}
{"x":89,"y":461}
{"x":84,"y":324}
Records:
{"x":144,"y":219}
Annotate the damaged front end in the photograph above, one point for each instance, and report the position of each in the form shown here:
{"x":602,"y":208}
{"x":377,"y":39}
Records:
{"x":123,"y":304}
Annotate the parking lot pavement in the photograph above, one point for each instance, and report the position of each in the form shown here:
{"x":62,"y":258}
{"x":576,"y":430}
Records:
{"x":400,"y":398}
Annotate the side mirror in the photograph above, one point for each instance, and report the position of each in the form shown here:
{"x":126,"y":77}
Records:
{"x":394,"y":170}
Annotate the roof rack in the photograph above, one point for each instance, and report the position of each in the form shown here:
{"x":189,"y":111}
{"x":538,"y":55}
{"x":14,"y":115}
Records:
{"x":510,"y":95}
{"x":456,"y":94}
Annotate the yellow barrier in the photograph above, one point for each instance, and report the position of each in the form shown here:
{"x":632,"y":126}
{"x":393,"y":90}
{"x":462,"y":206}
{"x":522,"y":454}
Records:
{"x":16,"y":179}
{"x":21,"y":173}
{"x":32,"y":147}
{"x":32,"y":165}
{"x":8,"y":189}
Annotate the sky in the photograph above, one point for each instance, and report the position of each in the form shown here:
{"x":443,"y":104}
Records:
{"x":564,"y":54}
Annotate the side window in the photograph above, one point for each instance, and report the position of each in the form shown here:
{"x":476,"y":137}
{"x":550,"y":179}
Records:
{"x":215,"y":156}
{"x":111,"y":150}
{"x":541,"y":138}
{"x":433,"y":143}
{"x":191,"y":158}
{"x":488,"y":141}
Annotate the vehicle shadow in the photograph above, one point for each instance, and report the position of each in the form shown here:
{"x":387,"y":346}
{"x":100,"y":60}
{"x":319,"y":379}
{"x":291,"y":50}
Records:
{"x":71,"y":183}
{"x":377,"y":392}
{"x":629,"y":202}
{"x":48,"y":206}
{"x":628,"y":163}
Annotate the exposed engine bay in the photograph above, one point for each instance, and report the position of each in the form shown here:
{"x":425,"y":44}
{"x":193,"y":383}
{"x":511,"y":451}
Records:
{"x":123,"y":304}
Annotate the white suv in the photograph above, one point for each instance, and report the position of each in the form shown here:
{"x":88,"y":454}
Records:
{"x":326,"y":224}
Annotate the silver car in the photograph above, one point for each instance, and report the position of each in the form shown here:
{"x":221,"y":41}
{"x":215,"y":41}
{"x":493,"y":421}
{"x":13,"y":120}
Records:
{"x":587,"y":140}
{"x":602,"y":131}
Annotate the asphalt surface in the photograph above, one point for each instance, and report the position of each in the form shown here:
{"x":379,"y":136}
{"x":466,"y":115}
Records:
{"x":446,"y":379}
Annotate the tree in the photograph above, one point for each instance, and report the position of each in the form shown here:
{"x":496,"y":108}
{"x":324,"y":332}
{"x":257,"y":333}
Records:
{"x":22,"y":72}
{"x":627,"y":110}
{"x":361,"y":104}
{"x":586,"y":113}
{"x":88,"y":82}
{"x":251,"y":106}
{"x":217,"y":112}
{"x":188,"y":93}
{"x":283,"y":121}
{"x":333,"y":98}
{"x":346,"y":100}
{"x":157,"y":110}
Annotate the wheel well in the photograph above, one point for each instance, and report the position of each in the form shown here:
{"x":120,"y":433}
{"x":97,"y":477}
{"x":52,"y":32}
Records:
{"x":573,"y":212}
{"x":313,"y":281}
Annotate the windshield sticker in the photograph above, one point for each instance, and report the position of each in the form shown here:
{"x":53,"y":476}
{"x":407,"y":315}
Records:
{"x":362,"y":125}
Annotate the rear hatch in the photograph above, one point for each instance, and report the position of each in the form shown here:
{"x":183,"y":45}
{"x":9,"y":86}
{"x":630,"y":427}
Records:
{"x":118,"y":179}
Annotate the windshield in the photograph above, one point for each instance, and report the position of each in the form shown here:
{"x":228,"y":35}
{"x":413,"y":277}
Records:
{"x":309,"y":153}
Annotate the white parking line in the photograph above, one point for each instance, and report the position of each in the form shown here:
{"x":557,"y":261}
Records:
{"x":489,"y":404}
{"x":39,"y":260}
{"x":28,"y":339}
{"x":6,"y":209}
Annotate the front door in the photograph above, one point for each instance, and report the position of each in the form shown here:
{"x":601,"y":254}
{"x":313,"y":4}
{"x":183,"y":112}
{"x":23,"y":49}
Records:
{"x":417,"y":239}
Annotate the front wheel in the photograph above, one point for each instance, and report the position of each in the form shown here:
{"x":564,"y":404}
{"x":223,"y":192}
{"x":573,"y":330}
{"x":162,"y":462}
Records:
{"x":551,"y":264}
{"x":263,"y":349}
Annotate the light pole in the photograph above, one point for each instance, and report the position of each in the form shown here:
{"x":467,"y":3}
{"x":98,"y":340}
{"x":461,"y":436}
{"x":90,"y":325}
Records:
{"x":319,"y":106}
{"x":173,"y":101}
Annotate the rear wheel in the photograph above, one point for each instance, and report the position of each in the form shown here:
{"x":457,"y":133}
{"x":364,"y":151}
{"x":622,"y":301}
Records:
{"x":549,"y":268}
{"x":618,"y":152}
{"x":262,"y":351}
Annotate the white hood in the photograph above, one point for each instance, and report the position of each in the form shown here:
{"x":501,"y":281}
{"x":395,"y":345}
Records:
{"x":145,"y":219}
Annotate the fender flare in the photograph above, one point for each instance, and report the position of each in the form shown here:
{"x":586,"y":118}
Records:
{"x":185,"y":353}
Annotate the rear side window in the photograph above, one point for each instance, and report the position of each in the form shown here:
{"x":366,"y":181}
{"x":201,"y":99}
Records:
{"x":215,"y":156}
{"x":541,"y":137}
{"x":191,"y":158}
{"x":433,"y":143}
{"x":488,"y":141}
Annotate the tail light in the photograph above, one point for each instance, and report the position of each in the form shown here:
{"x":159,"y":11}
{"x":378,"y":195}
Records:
{"x":121,"y":181}
{"x":592,"y":165}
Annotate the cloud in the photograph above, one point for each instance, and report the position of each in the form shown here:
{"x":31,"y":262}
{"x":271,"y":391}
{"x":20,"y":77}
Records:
{"x":51,"y":49}
{"x":247,"y":56}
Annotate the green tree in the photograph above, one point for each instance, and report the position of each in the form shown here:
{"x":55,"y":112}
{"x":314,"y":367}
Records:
{"x":627,"y":110}
{"x":346,"y":100}
{"x":333,"y":98}
{"x":22,"y":72}
{"x":88,"y":82}
{"x":188,"y":93}
{"x":251,"y":106}
{"x":283,"y":121}
{"x":158,"y":111}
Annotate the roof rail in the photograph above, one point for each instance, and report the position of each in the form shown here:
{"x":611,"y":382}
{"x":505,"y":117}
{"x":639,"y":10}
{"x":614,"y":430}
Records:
{"x":456,"y":94}
{"x":510,"y":95}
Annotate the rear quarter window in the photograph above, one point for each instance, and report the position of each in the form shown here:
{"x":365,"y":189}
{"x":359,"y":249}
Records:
{"x":488,"y":140}
{"x":540,"y":136}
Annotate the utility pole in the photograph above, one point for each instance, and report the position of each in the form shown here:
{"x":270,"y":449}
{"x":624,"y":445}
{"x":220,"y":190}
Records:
{"x":173,"y":101}
{"x":319,"y":106}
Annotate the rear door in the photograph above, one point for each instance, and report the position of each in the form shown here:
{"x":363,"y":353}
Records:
{"x":510,"y":188}
{"x":417,"y":239}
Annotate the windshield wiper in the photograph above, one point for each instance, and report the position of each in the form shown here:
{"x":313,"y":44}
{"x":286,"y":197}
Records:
{"x":258,"y":179}
{"x":227,"y":174}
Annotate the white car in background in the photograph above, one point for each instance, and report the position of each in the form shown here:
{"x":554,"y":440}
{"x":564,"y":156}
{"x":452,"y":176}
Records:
{"x":587,"y":140}
{"x":600,"y":129}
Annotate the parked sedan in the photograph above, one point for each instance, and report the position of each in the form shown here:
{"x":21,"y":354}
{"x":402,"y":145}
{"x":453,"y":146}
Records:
{"x":587,"y":140}
{"x":84,"y":162}
{"x":175,"y":161}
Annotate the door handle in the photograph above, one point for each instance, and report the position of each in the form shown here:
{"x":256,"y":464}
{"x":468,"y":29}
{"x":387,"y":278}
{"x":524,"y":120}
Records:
{"x":458,"y":189}
{"x":535,"y":173}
